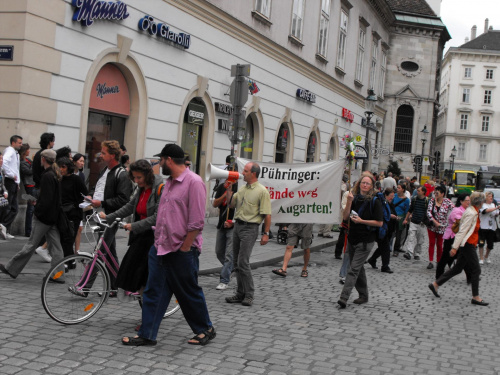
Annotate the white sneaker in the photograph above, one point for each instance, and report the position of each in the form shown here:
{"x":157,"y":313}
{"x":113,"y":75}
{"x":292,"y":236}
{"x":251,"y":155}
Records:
{"x":9,"y":236}
{"x":3,"y":232}
{"x":221,"y":286}
{"x":481,"y":261}
{"x":488,"y":260}
{"x":44,"y":253}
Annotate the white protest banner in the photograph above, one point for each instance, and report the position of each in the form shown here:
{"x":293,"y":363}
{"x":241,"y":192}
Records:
{"x":304,"y":192}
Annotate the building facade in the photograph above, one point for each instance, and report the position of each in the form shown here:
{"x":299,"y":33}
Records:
{"x":151,"y":72}
{"x":469,"y":112}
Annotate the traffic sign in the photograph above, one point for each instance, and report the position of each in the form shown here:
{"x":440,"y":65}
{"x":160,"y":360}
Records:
{"x":359,"y":153}
{"x":238,"y":92}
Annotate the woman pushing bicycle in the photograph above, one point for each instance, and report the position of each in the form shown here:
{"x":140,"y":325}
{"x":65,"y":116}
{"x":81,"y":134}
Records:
{"x":133,"y":273}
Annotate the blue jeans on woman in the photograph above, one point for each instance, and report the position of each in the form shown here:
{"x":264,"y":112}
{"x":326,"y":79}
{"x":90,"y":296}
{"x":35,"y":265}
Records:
{"x":176,"y":274}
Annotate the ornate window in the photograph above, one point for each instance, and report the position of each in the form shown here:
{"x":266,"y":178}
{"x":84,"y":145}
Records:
{"x":344,"y":19}
{"x":361,"y":53}
{"x":464,"y":121}
{"x":323,"y":27}
{"x":487,"y":96}
{"x":297,"y":19}
{"x":263,"y":7}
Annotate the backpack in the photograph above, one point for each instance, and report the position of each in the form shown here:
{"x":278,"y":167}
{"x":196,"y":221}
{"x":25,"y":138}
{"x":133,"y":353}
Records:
{"x":381,"y":231}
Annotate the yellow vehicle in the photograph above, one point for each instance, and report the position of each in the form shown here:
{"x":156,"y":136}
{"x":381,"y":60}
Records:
{"x":464,"y":181}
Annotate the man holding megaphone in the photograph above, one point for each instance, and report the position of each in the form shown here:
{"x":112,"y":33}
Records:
{"x":253,"y":205}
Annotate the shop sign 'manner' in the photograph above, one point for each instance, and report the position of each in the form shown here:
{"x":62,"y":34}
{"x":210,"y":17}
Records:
{"x":89,"y":10}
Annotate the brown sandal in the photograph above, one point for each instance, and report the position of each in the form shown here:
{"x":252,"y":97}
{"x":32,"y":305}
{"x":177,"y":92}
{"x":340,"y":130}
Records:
{"x":280,"y":272}
{"x":304,"y":273}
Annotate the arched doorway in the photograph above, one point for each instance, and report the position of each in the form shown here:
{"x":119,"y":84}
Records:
{"x":403,"y":135}
{"x":283,"y":144}
{"x":247,"y":145}
{"x":109,"y":109}
{"x":192,"y":132}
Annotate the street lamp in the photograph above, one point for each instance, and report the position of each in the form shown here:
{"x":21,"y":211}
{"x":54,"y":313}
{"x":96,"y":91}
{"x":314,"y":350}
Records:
{"x":452,"y":157}
{"x":370,"y":102}
{"x":425,"y":134}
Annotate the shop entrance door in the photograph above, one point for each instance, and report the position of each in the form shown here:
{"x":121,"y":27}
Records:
{"x":100,"y":128}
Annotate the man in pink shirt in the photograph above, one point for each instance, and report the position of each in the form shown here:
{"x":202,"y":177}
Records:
{"x":174,"y":257}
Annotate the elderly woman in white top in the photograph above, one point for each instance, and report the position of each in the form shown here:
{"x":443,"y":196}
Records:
{"x":488,"y":216}
{"x":466,"y":239}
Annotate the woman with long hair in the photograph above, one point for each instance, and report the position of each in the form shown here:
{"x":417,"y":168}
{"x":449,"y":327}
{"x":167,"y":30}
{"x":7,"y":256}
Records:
{"x":45,"y":219}
{"x":133,"y":272}
{"x":79,"y":163}
{"x":488,"y":217}
{"x":365,"y":214}
{"x":26,"y":168}
{"x":465,"y":243}
{"x":462,"y":203}
{"x":437,"y":212}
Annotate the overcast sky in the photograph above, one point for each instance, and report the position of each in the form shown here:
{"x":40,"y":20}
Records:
{"x":460,"y":15}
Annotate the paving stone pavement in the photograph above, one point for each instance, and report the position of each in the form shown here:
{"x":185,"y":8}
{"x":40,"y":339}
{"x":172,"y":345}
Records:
{"x":294,"y":327}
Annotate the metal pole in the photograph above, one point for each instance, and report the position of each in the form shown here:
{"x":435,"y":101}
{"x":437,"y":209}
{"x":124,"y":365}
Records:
{"x":421,"y":162}
{"x":367,"y":144}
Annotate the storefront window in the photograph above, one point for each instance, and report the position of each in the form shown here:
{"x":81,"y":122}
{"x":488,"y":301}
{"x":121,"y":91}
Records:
{"x":282,"y":144}
{"x":331,"y":149}
{"x":100,"y":128}
{"x":194,"y":119}
{"x":247,"y":145}
{"x":311,"y":147}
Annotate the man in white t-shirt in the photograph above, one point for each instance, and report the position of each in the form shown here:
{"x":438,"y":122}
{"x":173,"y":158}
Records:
{"x":389,"y":182}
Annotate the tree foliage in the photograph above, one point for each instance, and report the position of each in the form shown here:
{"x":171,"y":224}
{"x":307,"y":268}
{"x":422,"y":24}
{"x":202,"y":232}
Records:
{"x":394,"y":168}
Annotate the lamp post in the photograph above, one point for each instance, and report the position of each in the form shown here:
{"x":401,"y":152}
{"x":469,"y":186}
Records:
{"x":452,"y":157}
{"x":425,"y":134}
{"x":370,"y":101}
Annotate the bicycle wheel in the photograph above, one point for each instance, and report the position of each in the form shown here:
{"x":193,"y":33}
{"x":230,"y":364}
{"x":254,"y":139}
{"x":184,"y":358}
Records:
{"x":172,"y":308}
{"x":66,"y":301}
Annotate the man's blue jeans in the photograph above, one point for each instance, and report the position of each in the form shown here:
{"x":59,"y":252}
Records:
{"x":224,"y":252}
{"x":173,"y":274}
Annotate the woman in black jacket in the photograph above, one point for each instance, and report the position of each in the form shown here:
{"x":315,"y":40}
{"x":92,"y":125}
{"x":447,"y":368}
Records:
{"x":45,"y":219}
{"x":72,"y":189}
{"x":383,"y":244}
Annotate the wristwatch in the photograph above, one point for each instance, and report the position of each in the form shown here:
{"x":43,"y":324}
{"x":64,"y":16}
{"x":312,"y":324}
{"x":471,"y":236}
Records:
{"x":266,"y":233}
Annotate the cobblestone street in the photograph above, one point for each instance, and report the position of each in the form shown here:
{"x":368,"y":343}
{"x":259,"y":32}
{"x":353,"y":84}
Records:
{"x":294,"y":327}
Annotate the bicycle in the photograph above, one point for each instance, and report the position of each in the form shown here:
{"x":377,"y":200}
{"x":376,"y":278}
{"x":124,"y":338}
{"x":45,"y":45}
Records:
{"x":78,"y":286}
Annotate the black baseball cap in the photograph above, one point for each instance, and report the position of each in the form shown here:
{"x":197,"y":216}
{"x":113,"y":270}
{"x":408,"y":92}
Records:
{"x":171,"y":150}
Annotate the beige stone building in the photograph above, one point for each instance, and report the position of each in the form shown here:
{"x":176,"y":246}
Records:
{"x":151,"y":72}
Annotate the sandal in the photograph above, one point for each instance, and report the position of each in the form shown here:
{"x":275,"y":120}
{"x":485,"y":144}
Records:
{"x":207,"y":336}
{"x":280,"y":272}
{"x":304,"y":273}
{"x":138,"y":341}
